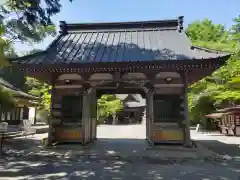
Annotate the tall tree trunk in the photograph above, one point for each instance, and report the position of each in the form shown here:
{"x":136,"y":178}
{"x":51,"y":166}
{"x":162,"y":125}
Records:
{"x":114,"y":119}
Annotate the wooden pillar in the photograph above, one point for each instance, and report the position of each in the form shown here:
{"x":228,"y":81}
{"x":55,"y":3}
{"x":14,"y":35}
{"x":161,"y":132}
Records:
{"x":50,"y":131}
{"x":0,"y":113}
{"x":89,"y":116}
{"x":150,"y":115}
{"x":147,"y":118}
{"x":94,"y":114}
{"x":35,"y":115}
{"x":84,"y":116}
{"x":25,"y":112}
{"x":187,"y":138}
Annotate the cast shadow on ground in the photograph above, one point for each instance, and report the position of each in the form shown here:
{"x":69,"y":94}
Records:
{"x":49,"y":166}
{"x":221,"y":148}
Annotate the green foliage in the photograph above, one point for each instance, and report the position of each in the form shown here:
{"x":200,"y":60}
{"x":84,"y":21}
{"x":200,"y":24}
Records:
{"x":206,"y":31}
{"x":222,"y":87}
{"x":3,"y":46}
{"x":27,"y":21}
{"x":33,"y":11}
{"x":41,"y":90}
{"x":236,"y":29}
{"x":108,"y":105}
{"x":18,"y":30}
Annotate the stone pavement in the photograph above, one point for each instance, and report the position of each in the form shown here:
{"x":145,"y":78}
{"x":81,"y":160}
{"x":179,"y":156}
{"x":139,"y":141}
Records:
{"x":218,"y":143}
{"x":51,"y":167}
{"x":20,"y":163}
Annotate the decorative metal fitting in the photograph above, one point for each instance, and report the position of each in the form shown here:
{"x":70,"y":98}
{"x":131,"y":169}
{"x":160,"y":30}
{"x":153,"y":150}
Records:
{"x":180,"y":23}
{"x":63,"y":27}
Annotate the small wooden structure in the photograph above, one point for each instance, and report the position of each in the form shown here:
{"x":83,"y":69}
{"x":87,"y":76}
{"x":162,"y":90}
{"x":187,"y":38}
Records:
{"x":21,"y":111}
{"x":151,"y":58}
{"x":133,"y":108}
{"x":228,"y":120}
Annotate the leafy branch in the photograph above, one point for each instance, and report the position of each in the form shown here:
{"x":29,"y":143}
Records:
{"x":222,"y":87}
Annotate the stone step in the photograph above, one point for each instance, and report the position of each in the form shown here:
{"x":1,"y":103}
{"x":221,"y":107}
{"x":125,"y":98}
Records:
{"x":11,"y":135}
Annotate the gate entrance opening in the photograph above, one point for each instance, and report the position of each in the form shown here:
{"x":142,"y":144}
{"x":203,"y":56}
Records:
{"x":121,"y":109}
{"x":121,"y":117}
{"x":151,"y":58}
{"x":120,"y":112}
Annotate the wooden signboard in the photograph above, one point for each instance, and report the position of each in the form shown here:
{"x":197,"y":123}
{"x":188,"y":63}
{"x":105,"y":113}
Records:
{"x":167,"y":135}
{"x":68,"y":134}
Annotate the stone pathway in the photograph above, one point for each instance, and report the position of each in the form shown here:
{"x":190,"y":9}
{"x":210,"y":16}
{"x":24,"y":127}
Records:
{"x":221,"y":148}
{"x":21,"y":164}
{"x":36,"y":168}
{"x":137,"y":131}
{"x":223,"y":145}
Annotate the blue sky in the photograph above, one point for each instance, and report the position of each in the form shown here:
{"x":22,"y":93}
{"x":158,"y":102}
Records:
{"x":219,"y":11}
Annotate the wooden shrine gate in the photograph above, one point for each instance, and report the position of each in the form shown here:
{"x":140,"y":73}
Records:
{"x":156,"y":55}
{"x":74,"y":105}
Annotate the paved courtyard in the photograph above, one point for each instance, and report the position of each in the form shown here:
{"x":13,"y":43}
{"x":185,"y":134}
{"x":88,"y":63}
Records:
{"x":25,"y":160}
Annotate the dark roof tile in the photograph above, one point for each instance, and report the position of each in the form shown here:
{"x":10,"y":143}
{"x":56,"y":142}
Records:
{"x":115,"y":42}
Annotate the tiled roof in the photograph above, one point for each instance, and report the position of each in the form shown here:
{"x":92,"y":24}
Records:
{"x":121,"y":96}
{"x":129,"y":97}
{"x":138,"y":102}
{"x":15,"y":91}
{"x":120,"y":42}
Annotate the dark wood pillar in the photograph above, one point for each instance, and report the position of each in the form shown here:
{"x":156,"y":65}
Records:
{"x":89,"y":116}
{"x":94,"y":114}
{"x":35,"y":115}
{"x":25,"y":112}
{"x":150,"y":115}
{"x":86,"y":116}
{"x":147,"y":118}
{"x":0,"y":113}
{"x":186,"y":122}
{"x":50,"y":123}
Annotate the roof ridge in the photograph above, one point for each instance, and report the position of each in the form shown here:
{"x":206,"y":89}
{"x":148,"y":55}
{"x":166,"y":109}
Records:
{"x":123,"y":30}
{"x":66,"y":27}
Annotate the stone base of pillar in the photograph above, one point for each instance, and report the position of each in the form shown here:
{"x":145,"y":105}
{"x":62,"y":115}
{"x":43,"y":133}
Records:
{"x":188,"y":144}
{"x":49,"y":139}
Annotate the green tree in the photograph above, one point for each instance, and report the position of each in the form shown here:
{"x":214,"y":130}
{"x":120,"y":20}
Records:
{"x":108,"y":105}
{"x":27,"y":21}
{"x":236,"y":29}
{"x":6,"y":99}
{"x":221,"y":88}
{"x":33,"y":12}
{"x":205,"y":31}
{"x":41,"y":90}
